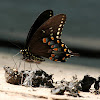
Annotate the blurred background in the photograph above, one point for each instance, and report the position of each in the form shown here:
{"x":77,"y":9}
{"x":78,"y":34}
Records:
{"x":81,"y":32}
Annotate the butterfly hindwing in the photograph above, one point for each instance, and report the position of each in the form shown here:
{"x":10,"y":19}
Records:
{"x":60,"y":51}
{"x":39,"y":21}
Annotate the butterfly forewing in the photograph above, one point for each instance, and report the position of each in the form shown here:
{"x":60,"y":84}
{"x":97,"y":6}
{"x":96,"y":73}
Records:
{"x":50,"y":26}
{"x":39,"y":21}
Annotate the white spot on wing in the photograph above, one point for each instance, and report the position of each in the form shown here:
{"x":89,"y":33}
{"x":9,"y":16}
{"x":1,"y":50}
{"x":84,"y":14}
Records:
{"x":51,"y":34}
{"x":57,"y":37}
{"x":60,"y":25}
{"x":62,"y":18}
{"x":50,"y":11}
{"x":43,"y":31}
{"x":58,"y":33}
{"x":50,"y":28}
{"x":50,"y":14}
{"x":59,"y":29}
{"x":66,"y":46}
{"x":62,"y":22}
{"x":69,"y":51}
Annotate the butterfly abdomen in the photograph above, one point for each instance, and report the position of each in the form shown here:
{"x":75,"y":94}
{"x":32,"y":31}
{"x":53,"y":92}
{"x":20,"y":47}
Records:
{"x":28,"y":56}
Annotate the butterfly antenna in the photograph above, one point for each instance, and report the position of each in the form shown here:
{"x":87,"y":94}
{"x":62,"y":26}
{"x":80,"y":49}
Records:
{"x":15,"y":44}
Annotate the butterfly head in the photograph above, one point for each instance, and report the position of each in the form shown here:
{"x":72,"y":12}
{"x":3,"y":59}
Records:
{"x":23,"y":51}
{"x":26,"y":54}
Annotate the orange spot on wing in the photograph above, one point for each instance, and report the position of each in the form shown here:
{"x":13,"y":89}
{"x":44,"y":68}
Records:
{"x":48,"y":43}
{"x":62,"y":45}
{"x":55,"y":49}
{"x":52,"y":38}
{"x":52,"y":46}
{"x":44,"y":40}
{"x":67,"y":54}
{"x":56,"y":59}
{"x":63,"y":58}
{"x":52,"y":55}
{"x":65,"y":50}
{"x":50,"y":58}
{"x":58,"y":41}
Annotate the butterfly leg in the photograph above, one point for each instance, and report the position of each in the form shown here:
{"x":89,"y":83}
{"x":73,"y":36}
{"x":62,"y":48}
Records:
{"x":30,"y":66}
{"x":24,"y":65}
{"x":19,"y":64}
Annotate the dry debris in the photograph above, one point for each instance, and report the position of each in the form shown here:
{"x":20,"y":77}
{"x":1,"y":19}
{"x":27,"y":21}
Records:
{"x":73,"y":87}
{"x":40,"y":78}
{"x":87,"y":82}
{"x":28,"y":78}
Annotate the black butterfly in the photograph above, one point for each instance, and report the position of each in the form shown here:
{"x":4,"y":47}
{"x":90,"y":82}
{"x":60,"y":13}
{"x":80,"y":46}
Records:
{"x":43,"y":39}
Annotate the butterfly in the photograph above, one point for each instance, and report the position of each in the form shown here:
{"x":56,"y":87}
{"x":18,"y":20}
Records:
{"x":44,"y":40}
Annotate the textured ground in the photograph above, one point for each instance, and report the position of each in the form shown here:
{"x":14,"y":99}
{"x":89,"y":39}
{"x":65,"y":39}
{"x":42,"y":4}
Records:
{"x":60,"y":71}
